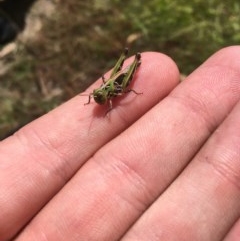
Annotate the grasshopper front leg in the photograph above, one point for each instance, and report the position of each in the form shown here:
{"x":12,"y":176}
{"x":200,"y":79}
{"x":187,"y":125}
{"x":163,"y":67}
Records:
{"x":89,"y":99}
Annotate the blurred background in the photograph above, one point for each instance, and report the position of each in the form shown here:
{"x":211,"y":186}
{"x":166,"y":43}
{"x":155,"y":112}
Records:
{"x":50,"y":50}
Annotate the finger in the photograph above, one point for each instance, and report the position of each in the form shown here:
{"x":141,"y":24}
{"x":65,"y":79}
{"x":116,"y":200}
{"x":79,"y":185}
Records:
{"x":113,"y":189}
{"x":38,"y":160}
{"x":204,"y":203}
{"x":234,"y":233}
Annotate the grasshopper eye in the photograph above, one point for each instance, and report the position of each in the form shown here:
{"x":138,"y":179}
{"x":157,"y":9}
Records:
{"x":100,"y":96}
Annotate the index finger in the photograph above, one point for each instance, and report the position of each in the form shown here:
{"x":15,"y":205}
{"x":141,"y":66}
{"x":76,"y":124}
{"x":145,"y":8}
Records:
{"x":40,"y":158}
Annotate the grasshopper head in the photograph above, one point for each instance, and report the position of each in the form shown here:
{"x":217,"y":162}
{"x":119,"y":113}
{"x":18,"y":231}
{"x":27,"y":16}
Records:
{"x":100,"y":96}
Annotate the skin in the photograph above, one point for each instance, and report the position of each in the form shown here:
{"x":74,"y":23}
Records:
{"x":164,"y":165}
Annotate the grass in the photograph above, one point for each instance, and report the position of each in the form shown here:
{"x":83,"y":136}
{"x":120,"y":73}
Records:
{"x":83,"y":39}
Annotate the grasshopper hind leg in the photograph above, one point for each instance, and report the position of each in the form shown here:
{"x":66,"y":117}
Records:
{"x":119,"y":64}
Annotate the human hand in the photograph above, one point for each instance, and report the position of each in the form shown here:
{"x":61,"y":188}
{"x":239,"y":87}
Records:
{"x":164,"y":165}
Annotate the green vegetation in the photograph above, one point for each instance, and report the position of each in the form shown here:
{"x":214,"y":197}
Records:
{"x":83,"y":39}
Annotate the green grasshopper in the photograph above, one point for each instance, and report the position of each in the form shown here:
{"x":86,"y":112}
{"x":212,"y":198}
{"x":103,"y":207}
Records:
{"x":118,"y":82}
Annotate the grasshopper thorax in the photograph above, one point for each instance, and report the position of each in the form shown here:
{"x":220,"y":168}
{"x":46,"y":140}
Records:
{"x":100,"y":96}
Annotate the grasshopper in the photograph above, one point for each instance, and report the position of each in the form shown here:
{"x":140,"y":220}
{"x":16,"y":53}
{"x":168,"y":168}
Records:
{"x":118,"y":82}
